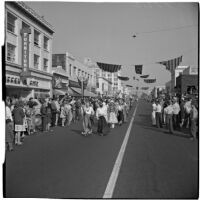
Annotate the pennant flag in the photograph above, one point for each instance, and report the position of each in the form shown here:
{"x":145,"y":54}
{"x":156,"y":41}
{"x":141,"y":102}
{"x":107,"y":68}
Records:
{"x":149,"y":80}
{"x":144,"y":76}
{"x":138,"y":69}
{"x":123,"y":78}
{"x":109,"y":67}
{"x":144,"y":88}
{"x":129,"y":86}
{"x":171,"y":64}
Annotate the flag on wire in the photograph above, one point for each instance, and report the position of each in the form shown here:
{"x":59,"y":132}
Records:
{"x":109,"y":67}
{"x":172,"y":64}
{"x":123,"y":78}
{"x":144,"y":88}
{"x":149,"y":80}
{"x":138,"y":69}
{"x":144,"y":76}
{"x":129,"y":86}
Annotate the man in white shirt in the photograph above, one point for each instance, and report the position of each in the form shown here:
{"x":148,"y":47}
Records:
{"x":169,"y":114}
{"x":158,"y":114}
{"x":176,"y":110}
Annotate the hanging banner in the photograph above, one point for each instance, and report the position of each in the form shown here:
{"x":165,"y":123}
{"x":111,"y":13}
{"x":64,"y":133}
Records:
{"x":129,"y":86}
{"x":123,"y":78}
{"x":109,"y":67}
{"x":144,"y":76}
{"x":149,"y":80}
{"x":138,"y":69}
{"x":25,"y":52}
{"x":60,"y":83}
{"x":171,"y":64}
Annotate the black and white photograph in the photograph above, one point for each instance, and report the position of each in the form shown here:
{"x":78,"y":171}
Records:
{"x":101,"y":100}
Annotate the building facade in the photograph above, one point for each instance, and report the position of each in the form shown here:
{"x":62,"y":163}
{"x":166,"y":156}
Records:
{"x":74,"y":69}
{"x":28,"y":50}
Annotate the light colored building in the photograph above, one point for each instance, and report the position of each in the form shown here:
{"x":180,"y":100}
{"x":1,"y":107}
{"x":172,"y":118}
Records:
{"x":191,"y":70}
{"x":74,"y":68}
{"x":28,"y":48}
{"x":103,"y":86}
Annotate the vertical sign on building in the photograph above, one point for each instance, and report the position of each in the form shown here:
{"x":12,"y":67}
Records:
{"x":25,"y":52}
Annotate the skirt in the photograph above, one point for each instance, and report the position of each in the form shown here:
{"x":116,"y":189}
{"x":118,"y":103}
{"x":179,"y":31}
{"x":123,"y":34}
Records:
{"x":112,"y":119}
{"x":153,"y":118}
{"x":19,"y":128}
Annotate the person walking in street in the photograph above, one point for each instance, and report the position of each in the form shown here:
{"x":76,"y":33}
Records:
{"x":120,"y":115}
{"x":112,"y":114}
{"x":68,"y":112}
{"x":153,"y":114}
{"x":53,"y":111}
{"x":62,"y":113}
{"x":158,"y":115}
{"x":57,"y":111}
{"x":101,"y":115}
{"x":87,"y":112}
{"x":188,"y":108}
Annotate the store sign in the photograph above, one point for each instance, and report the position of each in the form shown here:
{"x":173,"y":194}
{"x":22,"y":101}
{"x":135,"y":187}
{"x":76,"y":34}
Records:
{"x":13,"y":80}
{"x":25,"y":52}
{"x":60,"y":83}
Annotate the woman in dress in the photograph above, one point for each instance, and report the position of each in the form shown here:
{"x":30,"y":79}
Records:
{"x":153,"y":114}
{"x":120,"y":115}
{"x":112,"y":119}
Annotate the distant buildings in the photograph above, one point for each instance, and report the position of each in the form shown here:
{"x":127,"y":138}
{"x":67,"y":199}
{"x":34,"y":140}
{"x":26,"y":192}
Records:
{"x":28,"y":49}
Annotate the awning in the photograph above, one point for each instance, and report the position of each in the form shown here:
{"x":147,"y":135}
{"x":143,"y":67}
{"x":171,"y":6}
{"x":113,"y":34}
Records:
{"x":109,"y":67}
{"x":86,"y":92}
{"x":62,"y":92}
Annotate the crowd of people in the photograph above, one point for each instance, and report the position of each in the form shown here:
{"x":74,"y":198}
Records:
{"x":176,"y":114}
{"x":23,"y":118}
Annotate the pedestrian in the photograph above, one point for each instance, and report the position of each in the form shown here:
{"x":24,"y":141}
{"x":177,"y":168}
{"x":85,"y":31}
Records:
{"x":112,"y":114}
{"x":9,"y":126}
{"x":57,"y":110}
{"x":194,"y":117}
{"x":63,"y":114}
{"x":101,"y":117}
{"x":153,"y":114}
{"x":43,"y":111}
{"x":18,"y":116}
{"x":53,"y":111}
{"x":188,"y":108}
{"x":68,"y":112}
{"x":49,"y":116}
{"x":87,"y":112}
{"x":158,"y":114}
{"x":120,"y":115}
{"x":169,"y":114}
{"x":176,"y":110}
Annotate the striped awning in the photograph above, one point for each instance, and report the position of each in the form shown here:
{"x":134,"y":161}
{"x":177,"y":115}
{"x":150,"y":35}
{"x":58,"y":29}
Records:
{"x":149,"y":80}
{"x":109,"y":67}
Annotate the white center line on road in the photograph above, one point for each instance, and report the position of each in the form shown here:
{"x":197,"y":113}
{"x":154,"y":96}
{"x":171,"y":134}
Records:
{"x":115,"y":172}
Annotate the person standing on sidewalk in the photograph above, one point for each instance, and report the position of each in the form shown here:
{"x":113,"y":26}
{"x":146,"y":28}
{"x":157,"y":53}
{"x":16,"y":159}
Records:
{"x":176,"y":110}
{"x":153,"y":114}
{"x":9,"y":126}
{"x":194,"y":117}
{"x":169,"y":114}
{"x":158,"y":114}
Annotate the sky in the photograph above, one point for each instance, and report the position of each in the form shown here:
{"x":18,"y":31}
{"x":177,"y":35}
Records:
{"x":103,"y":32}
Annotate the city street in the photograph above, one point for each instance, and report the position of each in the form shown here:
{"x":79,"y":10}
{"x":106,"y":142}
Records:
{"x":65,"y":164}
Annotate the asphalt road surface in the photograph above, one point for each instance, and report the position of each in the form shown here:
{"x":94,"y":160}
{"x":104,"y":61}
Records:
{"x":65,"y":164}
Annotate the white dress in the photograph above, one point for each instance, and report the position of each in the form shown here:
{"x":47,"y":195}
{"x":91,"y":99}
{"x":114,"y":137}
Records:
{"x":153,"y":115}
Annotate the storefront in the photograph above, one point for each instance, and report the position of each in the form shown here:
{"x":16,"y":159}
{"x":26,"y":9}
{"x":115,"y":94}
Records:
{"x":36,"y":86}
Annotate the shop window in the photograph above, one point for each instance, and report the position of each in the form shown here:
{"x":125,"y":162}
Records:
{"x":11,"y":19}
{"x":36,"y":61}
{"x":46,"y":43}
{"x":11,"y":52}
{"x":45,"y":64}
{"x":36,"y":38}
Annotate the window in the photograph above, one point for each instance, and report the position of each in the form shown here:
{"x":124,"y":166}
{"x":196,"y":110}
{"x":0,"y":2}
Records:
{"x":36,"y":37}
{"x":36,"y":61}
{"x":10,"y":52}
{"x":45,"y":64}
{"x":46,"y":43}
{"x":11,"y":22}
